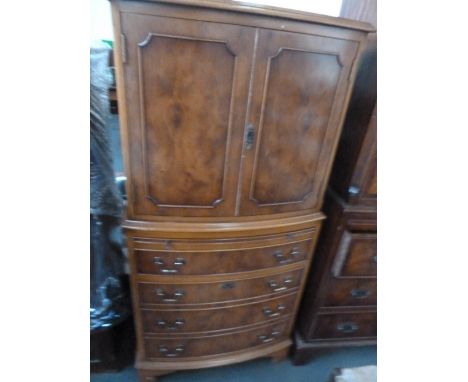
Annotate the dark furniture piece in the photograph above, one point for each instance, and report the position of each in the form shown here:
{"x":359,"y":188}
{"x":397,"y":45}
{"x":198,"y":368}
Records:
{"x":113,"y":349}
{"x":230,"y":116}
{"x":339,"y":304}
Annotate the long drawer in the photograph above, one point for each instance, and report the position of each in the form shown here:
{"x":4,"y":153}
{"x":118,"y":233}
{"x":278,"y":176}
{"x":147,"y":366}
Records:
{"x":345,"y":325}
{"x":351,"y":292}
{"x":213,"y":319}
{"x":206,"y":291}
{"x":208,"y":257}
{"x":170,"y":347}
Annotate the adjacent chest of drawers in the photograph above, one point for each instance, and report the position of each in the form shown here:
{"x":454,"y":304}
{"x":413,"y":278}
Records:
{"x":230,"y":117}
{"x":340,"y":301}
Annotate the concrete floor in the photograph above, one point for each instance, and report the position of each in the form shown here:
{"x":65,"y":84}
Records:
{"x":263,"y":370}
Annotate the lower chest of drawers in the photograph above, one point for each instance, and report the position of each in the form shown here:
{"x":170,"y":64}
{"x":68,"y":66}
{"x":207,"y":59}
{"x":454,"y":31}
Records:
{"x":200,"y":298}
{"x":341,"y":296}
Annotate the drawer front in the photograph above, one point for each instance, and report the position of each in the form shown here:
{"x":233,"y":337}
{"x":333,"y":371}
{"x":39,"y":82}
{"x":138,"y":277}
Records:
{"x":345,"y":325}
{"x":170,"y":347}
{"x":220,"y":257}
{"x":356,"y":255}
{"x":351,"y":292}
{"x":215,"y":292}
{"x":209,"y":319}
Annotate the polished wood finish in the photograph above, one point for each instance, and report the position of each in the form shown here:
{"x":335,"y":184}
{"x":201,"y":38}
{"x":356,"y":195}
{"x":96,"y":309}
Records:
{"x":220,"y":256}
{"x":342,"y":287}
{"x":230,"y":117}
{"x":211,"y":292}
{"x":192,"y":79}
{"x":351,"y":292}
{"x":164,"y":365}
{"x":356,"y":255}
{"x":205,"y":345}
{"x":327,"y":287}
{"x":188,"y":320}
{"x":285,"y":170}
{"x":169,"y":175}
{"x":344,"y":325}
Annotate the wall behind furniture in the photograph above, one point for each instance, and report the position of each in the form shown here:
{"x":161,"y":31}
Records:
{"x":101,"y":20}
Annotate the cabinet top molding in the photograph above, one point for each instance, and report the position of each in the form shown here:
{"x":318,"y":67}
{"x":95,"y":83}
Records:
{"x":268,"y":10}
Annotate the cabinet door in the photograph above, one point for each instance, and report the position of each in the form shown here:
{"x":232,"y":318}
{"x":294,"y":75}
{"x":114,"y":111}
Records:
{"x":185,"y":88}
{"x":299,"y":91}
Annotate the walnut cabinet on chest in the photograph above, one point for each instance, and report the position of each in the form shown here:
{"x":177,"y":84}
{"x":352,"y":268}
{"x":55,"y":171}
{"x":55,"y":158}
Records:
{"x":230,"y":117}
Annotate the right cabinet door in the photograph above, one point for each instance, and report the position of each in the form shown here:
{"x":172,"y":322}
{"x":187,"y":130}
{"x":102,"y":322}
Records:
{"x":298,"y":94}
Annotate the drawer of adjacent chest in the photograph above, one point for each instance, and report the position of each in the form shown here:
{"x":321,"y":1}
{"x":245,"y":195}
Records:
{"x":345,"y":325}
{"x":351,"y":292}
{"x":170,"y":347}
{"x":206,"y":291}
{"x":189,"y":257}
{"x":356,"y":255}
{"x":211,"y":319}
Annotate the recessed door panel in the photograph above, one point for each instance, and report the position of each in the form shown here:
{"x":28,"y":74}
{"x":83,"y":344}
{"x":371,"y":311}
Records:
{"x":186,"y":83}
{"x":186,"y":92}
{"x":299,"y":91}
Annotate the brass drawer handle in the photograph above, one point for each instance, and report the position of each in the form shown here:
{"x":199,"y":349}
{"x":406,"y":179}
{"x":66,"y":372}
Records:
{"x":177,"y":263}
{"x":282,"y":259}
{"x":347,"y":327}
{"x":163,"y":349}
{"x":178,"y":323}
{"x":175,"y":296}
{"x":294,"y":252}
{"x":276,"y":287}
{"x":270,"y":314}
{"x":269,"y":338}
{"x":360,"y":293}
{"x":158,"y":261}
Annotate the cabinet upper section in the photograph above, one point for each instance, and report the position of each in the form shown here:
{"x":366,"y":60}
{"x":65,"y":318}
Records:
{"x":228,"y":114}
{"x":267,"y":10}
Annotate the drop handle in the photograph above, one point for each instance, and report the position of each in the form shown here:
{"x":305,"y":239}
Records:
{"x":360,"y":293}
{"x":277,"y":287}
{"x":158,"y":261}
{"x":347,"y":327}
{"x":163,"y":349}
{"x":178,"y":323}
{"x":271,"y":314}
{"x":269,"y":338}
{"x":294,"y":252}
{"x":280,"y":258}
{"x":177,"y":263}
{"x":175,"y":296}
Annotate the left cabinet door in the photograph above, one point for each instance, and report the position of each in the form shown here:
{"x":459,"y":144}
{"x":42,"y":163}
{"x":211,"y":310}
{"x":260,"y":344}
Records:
{"x":185,"y":86}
